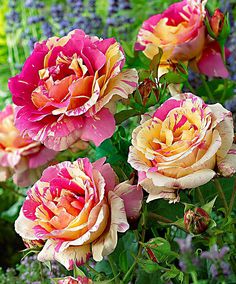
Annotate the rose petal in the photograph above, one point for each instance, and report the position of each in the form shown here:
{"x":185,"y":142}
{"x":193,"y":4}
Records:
{"x":69,"y":257}
{"x":99,"y":127}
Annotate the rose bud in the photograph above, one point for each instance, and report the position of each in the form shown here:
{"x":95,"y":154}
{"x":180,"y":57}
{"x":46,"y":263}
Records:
{"x":33,"y":243}
{"x":196,"y":221}
{"x":145,"y":89}
{"x":217,"y":22}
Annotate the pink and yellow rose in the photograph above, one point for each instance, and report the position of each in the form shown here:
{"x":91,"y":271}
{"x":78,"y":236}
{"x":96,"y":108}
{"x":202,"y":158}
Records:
{"x":181,"y":33}
{"x":77,"y":209}
{"x":21,"y":157}
{"x":78,"y":280}
{"x":182,"y":145}
{"x":67,"y":89}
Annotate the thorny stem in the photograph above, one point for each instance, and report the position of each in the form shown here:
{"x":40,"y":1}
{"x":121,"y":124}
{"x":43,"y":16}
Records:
{"x":221,"y":194}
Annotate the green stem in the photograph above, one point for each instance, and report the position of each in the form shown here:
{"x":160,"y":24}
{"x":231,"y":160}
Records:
{"x":90,"y":268}
{"x":194,"y":277}
{"x":221,"y":194}
{"x":224,"y":91}
{"x":128,"y":276}
{"x":200,"y":196}
{"x":232,"y":199}
{"x":159,"y":217}
{"x":113,"y":268}
{"x":207,"y":89}
{"x":186,"y":278}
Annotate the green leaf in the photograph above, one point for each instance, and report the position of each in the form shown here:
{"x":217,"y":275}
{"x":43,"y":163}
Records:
{"x":173,"y":78}
{"x":149,"y":266}
{"x":209,"y":206}
{"x":125,"y":114}
{"x":173,"y":273}
{"x":12,"y":213}
{"x":161,"y":249}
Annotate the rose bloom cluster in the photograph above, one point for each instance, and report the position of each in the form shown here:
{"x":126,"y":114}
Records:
{"x":183,"y":144}
{"x":21,"y":157}
{"x":75,"y":210}
{"x":181,"y":33}
{"x":68,"y":88}
{"x":66,"y":96}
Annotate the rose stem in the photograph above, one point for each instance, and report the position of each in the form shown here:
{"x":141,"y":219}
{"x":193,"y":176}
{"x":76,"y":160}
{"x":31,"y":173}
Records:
{"x":194,"y":277}
{"x":129,"y":272}
{"x":221,"y":194}
{"x":91,"y":269}
{"x":207,"y":89}
{"x":231,"y":203}
{"x":113,"y":268}
{"x":200,"y":196}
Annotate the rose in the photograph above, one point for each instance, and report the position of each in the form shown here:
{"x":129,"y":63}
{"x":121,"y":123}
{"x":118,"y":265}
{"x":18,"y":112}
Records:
{"x":21,"y":157}
{"x":67,"y":89}
{"x":196,"y":221}
{"x":78,"y":280}
{"x":182,"y":35}
{"x":179,"y":31}
{"x":77,"y":210}
{"x":182,"y":145}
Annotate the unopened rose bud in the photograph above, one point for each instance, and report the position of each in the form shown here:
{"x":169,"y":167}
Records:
{"x":196,"y":221}
{"x":152,"y":245}
{"x":33,"y":243}
{"x":145,"y":89}
{"x":217,"y":22}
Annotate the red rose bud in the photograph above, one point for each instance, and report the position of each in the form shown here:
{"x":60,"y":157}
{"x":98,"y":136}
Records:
{"x":145,"y":89}
{"x":196,"y":221}
{"x":150,"y":250}
{"x":217,"y":22}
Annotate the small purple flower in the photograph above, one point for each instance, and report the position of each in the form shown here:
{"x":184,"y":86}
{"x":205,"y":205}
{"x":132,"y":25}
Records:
{"x":185,"y":245}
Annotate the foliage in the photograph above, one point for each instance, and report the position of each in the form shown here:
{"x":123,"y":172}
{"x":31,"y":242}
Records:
{"x":150,"y":249}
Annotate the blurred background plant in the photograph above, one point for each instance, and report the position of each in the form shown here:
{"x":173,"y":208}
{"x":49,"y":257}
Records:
{"x":202,"y":258}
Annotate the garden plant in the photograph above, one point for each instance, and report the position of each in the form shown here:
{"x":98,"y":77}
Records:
{"x":117,"y":141}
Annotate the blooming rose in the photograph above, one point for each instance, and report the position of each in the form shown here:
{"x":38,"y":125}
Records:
{"x":182,"y":145}
{"x":67,"y":88}
{"x":77,"y":210}
{"x":21,"y":157}
{"x":78,"y":280}
{"x":181,"y":33}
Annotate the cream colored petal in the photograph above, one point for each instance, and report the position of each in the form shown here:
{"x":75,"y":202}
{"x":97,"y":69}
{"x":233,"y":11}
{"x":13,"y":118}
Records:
{"x":190,"y":181}
{"x":24,"y":227}
{"x":120,"y":86}
{"x":138,"y":161}
{"x":224,"y":124}
{"x":108,"y":241}
{"x":227,"y":166}
{"x":77,"y":255}
{"x":156,"y":192}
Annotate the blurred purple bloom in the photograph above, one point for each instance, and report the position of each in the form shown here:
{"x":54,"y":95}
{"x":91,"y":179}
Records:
{"x":185,"y":245}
